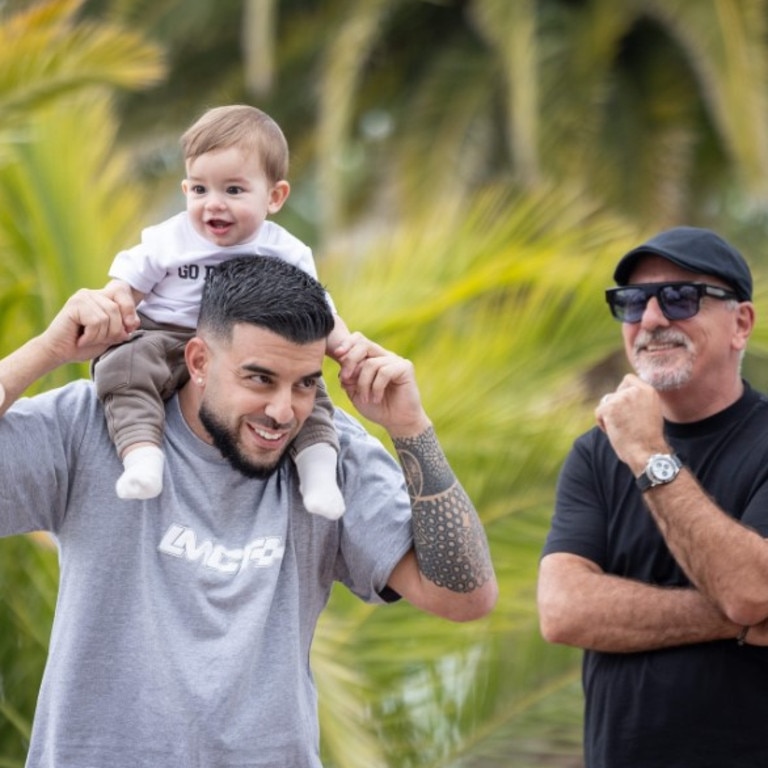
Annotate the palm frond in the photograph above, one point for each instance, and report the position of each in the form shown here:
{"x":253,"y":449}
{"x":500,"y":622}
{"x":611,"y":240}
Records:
{"x":47,"y":50}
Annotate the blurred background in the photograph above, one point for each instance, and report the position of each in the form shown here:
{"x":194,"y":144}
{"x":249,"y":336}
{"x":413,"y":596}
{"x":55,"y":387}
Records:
{"x":467,"y":172}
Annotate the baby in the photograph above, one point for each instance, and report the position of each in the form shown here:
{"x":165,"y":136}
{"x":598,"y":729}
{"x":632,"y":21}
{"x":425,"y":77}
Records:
{"x":236,"y":160}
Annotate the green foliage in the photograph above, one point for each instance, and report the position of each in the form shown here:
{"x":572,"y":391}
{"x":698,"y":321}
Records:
{"x":500,"y":308}
{"x":469,"y":196}
{"x":47,"y":51}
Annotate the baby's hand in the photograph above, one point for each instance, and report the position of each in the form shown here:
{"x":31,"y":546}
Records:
{"x":126,"y":299}
{"x":382,"y":386}
{"x":338,"y":340}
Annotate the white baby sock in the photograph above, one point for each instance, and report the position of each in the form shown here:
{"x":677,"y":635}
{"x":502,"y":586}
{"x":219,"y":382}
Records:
{"x":317,"y":481}
{"x":142,"y":476}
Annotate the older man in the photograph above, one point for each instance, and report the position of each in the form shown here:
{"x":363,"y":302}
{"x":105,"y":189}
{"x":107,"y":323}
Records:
{"x":656,"y":563}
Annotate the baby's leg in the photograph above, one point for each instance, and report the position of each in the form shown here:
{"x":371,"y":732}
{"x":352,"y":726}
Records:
{"x":315,"y":453}
{"x":133,"y":381}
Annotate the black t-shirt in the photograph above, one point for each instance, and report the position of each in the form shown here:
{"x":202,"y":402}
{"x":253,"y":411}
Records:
{"x":693,"y":706}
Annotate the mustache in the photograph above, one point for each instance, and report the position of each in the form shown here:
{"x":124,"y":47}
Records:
{"x":270,"y":423}
{"x":662,"y":336}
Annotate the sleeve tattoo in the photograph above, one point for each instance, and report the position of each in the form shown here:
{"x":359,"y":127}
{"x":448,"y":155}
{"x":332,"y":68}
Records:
{"x":450,"y":543}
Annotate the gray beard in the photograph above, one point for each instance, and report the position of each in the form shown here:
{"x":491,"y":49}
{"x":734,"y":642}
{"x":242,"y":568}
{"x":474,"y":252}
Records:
{"x":664,"y":380}
{"x":658,"y":375}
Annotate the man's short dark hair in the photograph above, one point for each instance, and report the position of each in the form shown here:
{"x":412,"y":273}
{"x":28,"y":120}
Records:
{"x":267,"y":292}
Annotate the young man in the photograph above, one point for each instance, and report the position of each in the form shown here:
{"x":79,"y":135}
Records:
{"x":184,"y":622}
{"x":656,"y":563}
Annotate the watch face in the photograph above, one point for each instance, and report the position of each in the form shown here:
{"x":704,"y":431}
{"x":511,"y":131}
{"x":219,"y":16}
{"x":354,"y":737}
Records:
{"x":663,"y":469}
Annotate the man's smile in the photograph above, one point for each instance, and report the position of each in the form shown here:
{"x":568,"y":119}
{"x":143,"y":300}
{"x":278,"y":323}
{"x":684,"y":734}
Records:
{"x":269,"y":439}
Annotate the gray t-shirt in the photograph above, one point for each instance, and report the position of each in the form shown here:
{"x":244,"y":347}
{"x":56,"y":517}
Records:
{"x":184,"y":623}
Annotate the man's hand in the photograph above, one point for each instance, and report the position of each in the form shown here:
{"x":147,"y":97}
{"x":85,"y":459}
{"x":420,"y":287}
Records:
{"x":382,"y":386}
{"x":89,"y":323}
{"x":632,"y":419}
{"x":757,"y":634}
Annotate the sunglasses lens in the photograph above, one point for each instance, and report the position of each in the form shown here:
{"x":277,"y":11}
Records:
{"x":679,"y":302}
{"x":628,"y":304}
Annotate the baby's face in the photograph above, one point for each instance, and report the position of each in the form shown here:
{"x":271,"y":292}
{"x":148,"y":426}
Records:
{"x":229,"y":196}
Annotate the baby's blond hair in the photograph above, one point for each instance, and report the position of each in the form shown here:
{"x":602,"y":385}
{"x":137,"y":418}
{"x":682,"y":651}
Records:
{"x":242,"y":126}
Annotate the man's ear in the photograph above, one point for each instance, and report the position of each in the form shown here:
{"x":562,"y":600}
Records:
{"x":745,"y":322}
{"x":196,"y":356}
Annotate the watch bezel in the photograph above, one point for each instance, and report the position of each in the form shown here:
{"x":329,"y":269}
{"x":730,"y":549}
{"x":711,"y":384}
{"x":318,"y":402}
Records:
{"x":649,"y":477}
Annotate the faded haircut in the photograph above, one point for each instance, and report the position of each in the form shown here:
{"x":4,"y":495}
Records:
{"x":266,"y":292}
{"x":241,"y":126}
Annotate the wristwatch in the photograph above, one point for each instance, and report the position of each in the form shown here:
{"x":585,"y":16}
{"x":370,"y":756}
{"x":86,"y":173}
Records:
{"x":661,"y":468}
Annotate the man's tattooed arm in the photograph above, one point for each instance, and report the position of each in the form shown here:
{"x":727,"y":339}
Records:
{"x":449,"y":540}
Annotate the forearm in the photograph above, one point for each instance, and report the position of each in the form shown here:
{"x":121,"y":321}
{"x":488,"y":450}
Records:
{"x":449,"y":541}
{"x":584,"y":607}
{"x":724,"y":559}
{"x":21,"y":369}
{"x":448,"y":571}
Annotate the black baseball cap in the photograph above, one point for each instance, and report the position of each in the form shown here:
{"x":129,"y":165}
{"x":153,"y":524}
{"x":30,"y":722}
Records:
{"x":694,"y":249}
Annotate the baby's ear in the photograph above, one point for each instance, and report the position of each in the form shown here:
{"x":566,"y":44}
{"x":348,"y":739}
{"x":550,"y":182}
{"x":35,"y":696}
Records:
{"x":278,"y":195}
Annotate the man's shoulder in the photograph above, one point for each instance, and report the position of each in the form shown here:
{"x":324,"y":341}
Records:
{"x":358,"y":445}
{"x":749,"y":413}
{"x":67,"y":402}
{"x":70,"y":414}
{"x":350,"y":429}
{"x":755,"y":397}
{"x":593,"y":439}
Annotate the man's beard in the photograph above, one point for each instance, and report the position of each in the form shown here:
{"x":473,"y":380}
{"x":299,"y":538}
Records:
{"x":660,"y":376}
{"x":226,"y":441}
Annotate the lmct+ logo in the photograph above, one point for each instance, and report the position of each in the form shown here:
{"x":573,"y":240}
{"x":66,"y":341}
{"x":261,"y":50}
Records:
{"x":181,"y":541}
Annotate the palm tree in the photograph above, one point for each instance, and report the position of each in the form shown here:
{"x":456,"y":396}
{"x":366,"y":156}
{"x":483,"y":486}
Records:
{"x":66,"y":207}
{"x":467,"y":196}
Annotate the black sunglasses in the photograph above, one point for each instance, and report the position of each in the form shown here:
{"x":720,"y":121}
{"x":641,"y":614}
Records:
{"x":678,"y":301}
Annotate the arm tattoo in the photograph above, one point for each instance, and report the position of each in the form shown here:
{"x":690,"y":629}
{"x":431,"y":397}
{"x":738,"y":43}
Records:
{"x":449,"y":540}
